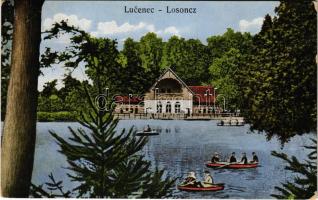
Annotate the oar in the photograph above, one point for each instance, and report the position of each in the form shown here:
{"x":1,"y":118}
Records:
{"x":215,"y":184}
{"x":223,"y":166}
{"x":219,"y":184}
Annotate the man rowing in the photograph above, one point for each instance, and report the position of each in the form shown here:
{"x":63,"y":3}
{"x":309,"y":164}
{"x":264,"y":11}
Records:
{"x":215,"y":158}
{"x":232,"y":158}
{"x":244,"y":158}
{"x":255,"y":158}
{"x":147,"y":129}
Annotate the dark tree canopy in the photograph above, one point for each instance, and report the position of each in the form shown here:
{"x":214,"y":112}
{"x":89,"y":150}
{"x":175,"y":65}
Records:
{"x":279,"y":85}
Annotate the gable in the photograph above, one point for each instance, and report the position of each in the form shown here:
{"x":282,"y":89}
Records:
{"x":170,"y":74}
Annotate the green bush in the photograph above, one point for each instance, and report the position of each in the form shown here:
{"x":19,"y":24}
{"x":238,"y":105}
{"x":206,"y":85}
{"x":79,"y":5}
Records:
{"x":56,"y":116}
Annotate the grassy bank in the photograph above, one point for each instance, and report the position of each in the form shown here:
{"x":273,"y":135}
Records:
{"x":61,"y":116}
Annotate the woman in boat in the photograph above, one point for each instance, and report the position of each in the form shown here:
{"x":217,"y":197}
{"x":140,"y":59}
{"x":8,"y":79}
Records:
{"x":244,"y":158}
{"x":255,"y":158}
{"x":190,"y":180}
{"x":208,"y":180}
{"x":232,"y":158}
{"x":215,"y":158}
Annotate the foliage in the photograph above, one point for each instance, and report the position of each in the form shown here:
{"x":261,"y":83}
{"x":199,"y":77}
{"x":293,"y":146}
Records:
{"x":151,"y":55}
{"x":220,"y":44}
{"x":98,"y":55}
{"x":305,"y":184}
{"x":188,"y":58}
{"x":132,"y":73}
{"x":56,"y":116}
{"x":49,"y":88}
{"x":279,"y":84}
{"x":54,"y":187}
{"x":223,"y":70}
{"x":70,"y":84}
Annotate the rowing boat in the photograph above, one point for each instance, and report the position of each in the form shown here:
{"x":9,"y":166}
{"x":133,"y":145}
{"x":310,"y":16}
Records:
{"x":214,"y":187}
{"x":231,"y":165}
{"x":146,"y":133}
{"x":230,"y":124}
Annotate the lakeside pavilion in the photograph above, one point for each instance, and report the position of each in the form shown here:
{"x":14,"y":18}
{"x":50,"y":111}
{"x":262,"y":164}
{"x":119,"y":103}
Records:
{"x":169,"y":95}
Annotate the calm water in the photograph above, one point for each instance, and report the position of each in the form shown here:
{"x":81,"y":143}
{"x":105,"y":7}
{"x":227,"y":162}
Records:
{"x":183,"y":146}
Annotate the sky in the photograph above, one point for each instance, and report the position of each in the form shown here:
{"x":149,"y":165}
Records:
{"x":108,"y":19}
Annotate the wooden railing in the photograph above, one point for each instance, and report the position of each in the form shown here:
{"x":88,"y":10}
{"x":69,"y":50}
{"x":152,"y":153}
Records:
{"x":174,"y":115}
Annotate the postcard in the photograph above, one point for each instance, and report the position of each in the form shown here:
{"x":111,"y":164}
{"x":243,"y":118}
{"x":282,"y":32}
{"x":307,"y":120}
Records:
{"x":159,"y":99}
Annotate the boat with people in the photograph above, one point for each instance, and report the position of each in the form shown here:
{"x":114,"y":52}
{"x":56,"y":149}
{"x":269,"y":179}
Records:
{"x":227,"y":165}
{"x":232,"y":162}
{"x":191,"y":188}
{"x":231,"y":122}
{"x":147,"y":133}
{"x":191,"y":184}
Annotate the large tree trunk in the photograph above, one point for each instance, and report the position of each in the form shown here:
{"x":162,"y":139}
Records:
{"x":19,"y":131}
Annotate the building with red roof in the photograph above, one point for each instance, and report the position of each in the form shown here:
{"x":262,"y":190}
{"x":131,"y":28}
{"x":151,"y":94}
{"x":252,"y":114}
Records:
{"x":169,"y":95}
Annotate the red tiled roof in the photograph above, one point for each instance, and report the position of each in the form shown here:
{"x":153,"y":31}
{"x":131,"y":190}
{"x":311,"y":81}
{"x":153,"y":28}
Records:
{"x":126,"y":99}
{"x":200,"y":92}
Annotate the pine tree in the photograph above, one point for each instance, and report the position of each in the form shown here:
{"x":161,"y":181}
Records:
{"x":305,"y":185}
{"x":105,"y":163}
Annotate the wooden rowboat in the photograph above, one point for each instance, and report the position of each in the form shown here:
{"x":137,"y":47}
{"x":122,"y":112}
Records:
{"x":189,"y":188}
{"x":227,"y":165}
{"x":146,"y":133}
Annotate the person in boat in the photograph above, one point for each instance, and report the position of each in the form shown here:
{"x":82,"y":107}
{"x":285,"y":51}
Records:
{"x":244,"y":158}
{"x":190,"y":179}
{"x":222,"y":123}
{"x":208,"y":180}
{"x":232,"y":158}
{"x":215,"y":158}
{"x":147,"y":129}
{"x":255,"y":158}
{"x":237,"y":122}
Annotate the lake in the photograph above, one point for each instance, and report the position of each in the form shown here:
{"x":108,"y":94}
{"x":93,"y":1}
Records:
{"x":184,"y":146}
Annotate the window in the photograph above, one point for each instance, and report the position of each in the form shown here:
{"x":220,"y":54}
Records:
{"x":177,"y":107}
{"x":159,"y":107}
{"x":168,"y":107}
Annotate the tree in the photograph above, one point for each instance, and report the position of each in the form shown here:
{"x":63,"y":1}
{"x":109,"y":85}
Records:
{"x":133,"y":74}
{"x":99,"y":55}
{"x":305,"y":184}
{"x":70,"y":84}
{"x":223,"y":70}
{"x":151,"y":55}
{"x":6,"y":45}
{"x":105,"y":163}
{"x":188,"y":58}
{"x":220,"y":44}
{"x":19,"y":130}
{"x":49,"y":88}
{"x":279,"y":83}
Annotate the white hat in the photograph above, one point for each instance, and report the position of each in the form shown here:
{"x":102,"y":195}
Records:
{"x":192,"y":174}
